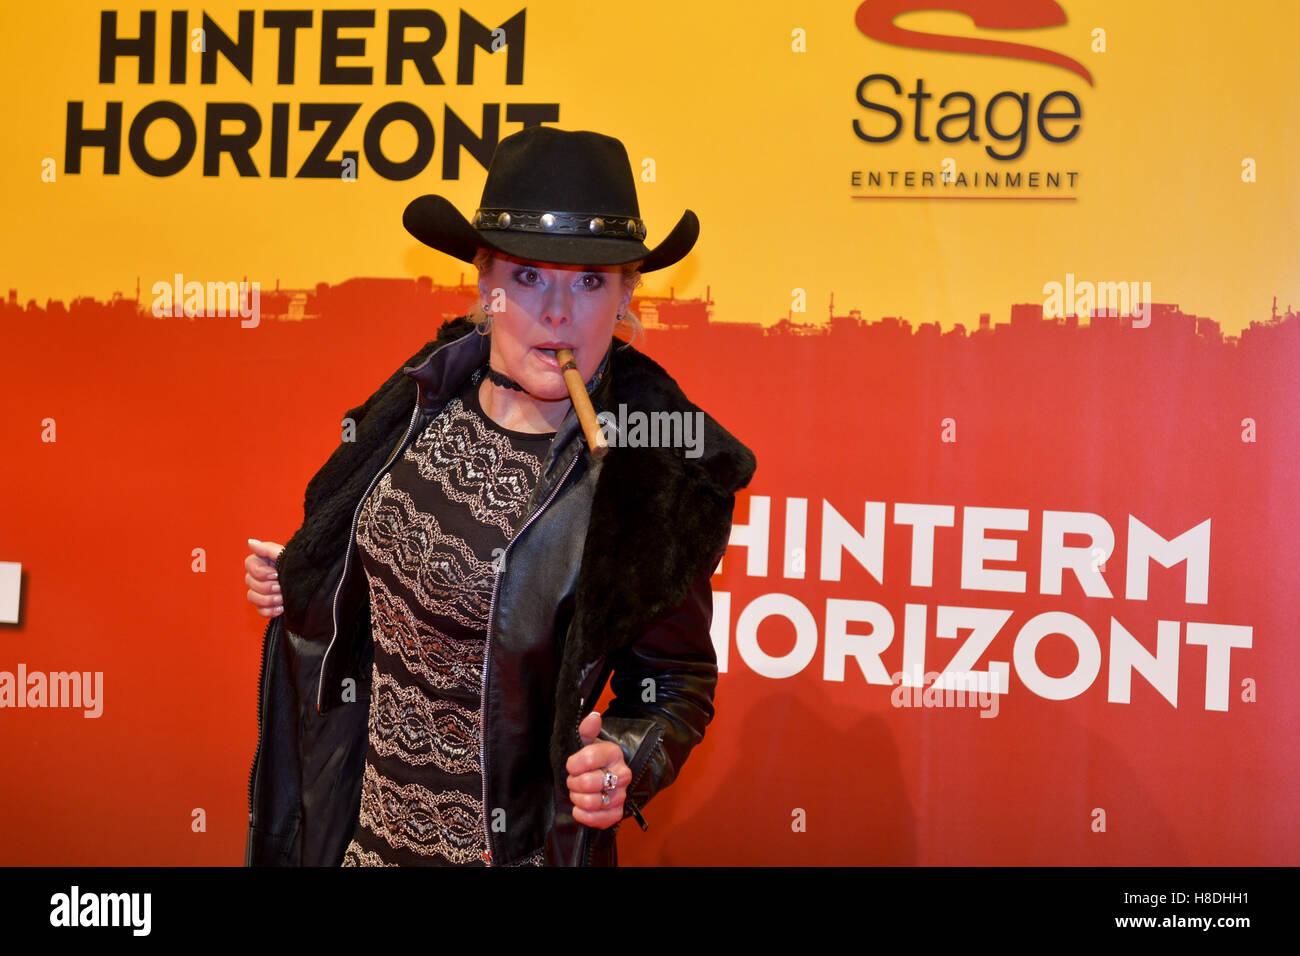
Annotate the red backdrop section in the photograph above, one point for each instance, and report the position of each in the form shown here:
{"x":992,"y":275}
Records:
{"x":176,"y":435}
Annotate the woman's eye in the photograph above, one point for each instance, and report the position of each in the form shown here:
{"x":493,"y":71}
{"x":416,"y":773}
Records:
{"x":526,"y":276}
{"x":592,"y":280}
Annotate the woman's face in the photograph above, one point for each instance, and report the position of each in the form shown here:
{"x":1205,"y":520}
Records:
{"x":539,"y":306}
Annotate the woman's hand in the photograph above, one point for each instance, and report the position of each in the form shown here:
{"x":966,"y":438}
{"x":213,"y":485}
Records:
{"x":587,"y":769}
{"x":260,"y":576}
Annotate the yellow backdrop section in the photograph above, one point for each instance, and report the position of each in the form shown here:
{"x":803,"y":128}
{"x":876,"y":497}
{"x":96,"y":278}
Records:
{"x":745,"y":112}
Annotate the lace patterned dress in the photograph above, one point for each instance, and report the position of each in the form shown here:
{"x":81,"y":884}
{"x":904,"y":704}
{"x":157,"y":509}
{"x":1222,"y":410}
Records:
{"x":430,"y":536}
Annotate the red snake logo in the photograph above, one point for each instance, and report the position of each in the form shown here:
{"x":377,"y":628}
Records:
{"x":875,"y":18}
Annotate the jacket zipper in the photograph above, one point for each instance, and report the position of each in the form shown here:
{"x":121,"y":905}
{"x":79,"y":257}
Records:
{"x":588,"y":847}
{"x":261,"y":708}
{"x":657,"y":733}
{"x":347,"y":554}
{"x":487,"y":653}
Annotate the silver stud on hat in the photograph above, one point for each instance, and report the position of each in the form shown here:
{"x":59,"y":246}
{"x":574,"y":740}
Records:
{"x":503,"y":220}
{"x":547,"y":220}
{"x":597,"y":225}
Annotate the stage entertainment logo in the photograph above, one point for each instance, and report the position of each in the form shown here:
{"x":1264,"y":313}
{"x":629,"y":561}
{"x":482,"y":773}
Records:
{"x":1006,"y":123}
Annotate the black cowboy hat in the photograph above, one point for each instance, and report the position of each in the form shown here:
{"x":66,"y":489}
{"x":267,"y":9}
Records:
{"x":553,"y":195}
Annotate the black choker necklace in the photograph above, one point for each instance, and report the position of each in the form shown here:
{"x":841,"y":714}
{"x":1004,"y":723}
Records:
{"x":505,"y":381}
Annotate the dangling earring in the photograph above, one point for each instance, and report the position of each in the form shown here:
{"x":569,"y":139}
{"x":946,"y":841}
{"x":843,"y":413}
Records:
{"x":484,"y":327}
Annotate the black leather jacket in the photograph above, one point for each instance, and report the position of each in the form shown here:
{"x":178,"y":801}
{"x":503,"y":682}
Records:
{"x":607,"y":578}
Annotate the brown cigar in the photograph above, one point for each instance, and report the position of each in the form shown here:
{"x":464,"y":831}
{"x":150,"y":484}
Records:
{"x":582,"y":403}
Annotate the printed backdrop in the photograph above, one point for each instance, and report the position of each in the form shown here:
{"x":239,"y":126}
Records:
{"x":1000,"y":293}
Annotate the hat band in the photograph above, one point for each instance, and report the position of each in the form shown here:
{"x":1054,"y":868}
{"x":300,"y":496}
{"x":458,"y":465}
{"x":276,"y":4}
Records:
{"x":559,"y":223}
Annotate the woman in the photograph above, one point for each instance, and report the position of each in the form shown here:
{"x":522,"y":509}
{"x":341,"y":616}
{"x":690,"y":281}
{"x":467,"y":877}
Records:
{"x":436,"y":709}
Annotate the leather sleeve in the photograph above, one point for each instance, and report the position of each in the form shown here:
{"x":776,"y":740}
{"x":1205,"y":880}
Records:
{"x":663,"y":685}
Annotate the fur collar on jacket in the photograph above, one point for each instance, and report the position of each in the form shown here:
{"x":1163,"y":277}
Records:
{"x":658,"y":517}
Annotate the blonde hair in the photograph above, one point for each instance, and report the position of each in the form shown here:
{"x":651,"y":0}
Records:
{"x":631,"y":281}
